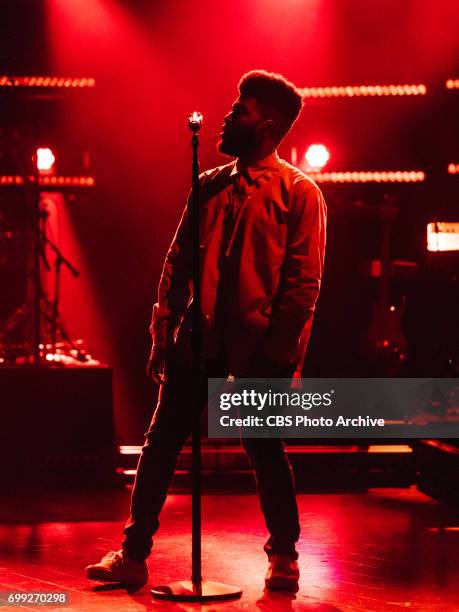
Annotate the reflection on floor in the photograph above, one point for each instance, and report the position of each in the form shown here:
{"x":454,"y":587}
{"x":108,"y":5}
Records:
{"x":384,"y":549}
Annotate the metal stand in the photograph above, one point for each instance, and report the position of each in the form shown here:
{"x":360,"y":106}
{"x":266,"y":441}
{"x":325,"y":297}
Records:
{"x":196,"y":589}
{"x":59,"y":261}
{"x":39,"y":307}
{"x":36,"y":330}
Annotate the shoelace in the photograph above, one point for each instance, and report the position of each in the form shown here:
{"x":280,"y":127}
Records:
{"x":115,"y":555}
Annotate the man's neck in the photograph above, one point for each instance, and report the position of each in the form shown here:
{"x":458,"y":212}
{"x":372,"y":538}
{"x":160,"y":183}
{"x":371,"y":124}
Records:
{"x":253,"y":158}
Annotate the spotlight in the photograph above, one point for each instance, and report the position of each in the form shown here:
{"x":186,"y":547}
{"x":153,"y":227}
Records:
{"x":317,"y":156}
{"x":45,"y":159}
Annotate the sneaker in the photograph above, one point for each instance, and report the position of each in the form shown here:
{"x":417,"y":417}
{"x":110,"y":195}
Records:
{"x":283,"y":573}
{"x":117,"y":567}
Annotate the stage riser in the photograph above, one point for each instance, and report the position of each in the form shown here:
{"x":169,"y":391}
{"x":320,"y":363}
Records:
{"x":317,"y":469}
{"x":437,"y":464}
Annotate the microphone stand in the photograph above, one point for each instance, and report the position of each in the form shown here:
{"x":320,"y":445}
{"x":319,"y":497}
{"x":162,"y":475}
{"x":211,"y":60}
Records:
{"x":59,"y":261}
{"x":196,"y":589}
{"x":36,"y":278}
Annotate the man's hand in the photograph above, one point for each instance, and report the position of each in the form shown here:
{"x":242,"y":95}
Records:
{"x":156,"y":364}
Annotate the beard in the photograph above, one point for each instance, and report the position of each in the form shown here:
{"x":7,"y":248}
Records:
{"x":237,"y":143}
{"x":227,"y":147}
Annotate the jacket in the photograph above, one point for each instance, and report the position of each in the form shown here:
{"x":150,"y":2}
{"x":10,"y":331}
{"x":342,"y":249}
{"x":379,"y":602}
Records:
{"x":274,"y":259}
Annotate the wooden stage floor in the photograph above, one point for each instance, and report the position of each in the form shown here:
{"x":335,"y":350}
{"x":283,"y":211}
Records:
{"x":384,"y":549}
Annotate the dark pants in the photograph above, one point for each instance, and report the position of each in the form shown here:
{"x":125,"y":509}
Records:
{"x":170,"y":427}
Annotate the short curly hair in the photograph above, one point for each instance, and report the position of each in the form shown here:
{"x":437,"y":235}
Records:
{"x":275,"y":94}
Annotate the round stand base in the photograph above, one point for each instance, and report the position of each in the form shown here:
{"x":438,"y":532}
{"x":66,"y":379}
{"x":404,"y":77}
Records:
{"x":185,"y":590}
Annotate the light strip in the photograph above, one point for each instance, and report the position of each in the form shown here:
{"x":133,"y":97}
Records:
{"x":46,"y":81}
{"x":396,"y":176}
{"x":443,"y":236}
{"x":129,"y":450}
{"x":389,"y":448}
{"x":124,"y":472}
{"x":48,"y":181}
{"x":452,"y":84}
{"x":350,"y":91}
{"x":442,"y":529}
{"x":373,"y":448}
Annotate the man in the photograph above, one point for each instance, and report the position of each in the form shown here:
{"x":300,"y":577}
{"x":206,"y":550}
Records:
{"x":262,"y":242}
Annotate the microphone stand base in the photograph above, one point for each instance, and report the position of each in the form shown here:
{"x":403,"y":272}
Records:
{"x":207,"y":590}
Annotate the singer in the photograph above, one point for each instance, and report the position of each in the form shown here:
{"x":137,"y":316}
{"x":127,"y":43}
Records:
{"x":262,"y":236}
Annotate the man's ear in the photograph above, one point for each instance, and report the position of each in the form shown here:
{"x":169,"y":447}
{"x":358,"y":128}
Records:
{"x":268,"y":125}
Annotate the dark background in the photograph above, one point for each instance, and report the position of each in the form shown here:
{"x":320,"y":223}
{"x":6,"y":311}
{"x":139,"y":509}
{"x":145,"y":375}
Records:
{"x":154,"y":62}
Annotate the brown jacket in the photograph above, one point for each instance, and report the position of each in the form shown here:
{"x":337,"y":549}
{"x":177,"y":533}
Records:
{"x":275,"y":260}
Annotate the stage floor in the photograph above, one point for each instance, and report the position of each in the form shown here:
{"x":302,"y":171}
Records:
{"x":385,"y":549}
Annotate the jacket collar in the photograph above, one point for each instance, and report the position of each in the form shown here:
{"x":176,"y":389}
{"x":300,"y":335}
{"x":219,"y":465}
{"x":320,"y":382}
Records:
{"x":262,"y":166}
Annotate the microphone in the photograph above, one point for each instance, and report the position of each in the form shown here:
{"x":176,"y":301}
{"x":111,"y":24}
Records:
{"x":195,"y":121}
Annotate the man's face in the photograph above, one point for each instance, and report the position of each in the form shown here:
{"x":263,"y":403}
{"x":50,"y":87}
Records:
{"x":241,"y":128}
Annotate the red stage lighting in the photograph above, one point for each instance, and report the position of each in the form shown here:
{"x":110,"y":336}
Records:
{"x":383,"y":176}
{"x":45,"y":159}
{"x":317,"y":156}
{"x":7,"y":180}
{"x":46,"y":81}
{"x":350,"y":91}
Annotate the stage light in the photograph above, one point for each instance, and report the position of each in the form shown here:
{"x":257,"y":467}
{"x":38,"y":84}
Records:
{"x":46,"y":81}
{"x":443,"y":236}
{"x":67,"y":181}
{"x":48,"y":181}
{"x":317,"y":156}
{"x":384,"y":176}
{"x":129,"y":450}
{"x":452,"y":84}
{"x":7,"y":180}
{"x":389,"y":448}
{"x":350,"y":91}
{"x":126,"y":472}
{"x":45,"y":159}
{"x":453,"y":168}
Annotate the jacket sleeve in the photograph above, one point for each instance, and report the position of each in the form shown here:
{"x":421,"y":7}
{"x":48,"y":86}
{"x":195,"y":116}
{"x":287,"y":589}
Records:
{"x":175,"y":285}
{"x":301,"y":272}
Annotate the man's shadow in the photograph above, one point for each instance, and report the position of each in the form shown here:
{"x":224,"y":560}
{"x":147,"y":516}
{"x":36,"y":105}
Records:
{"x":130,"y":588}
